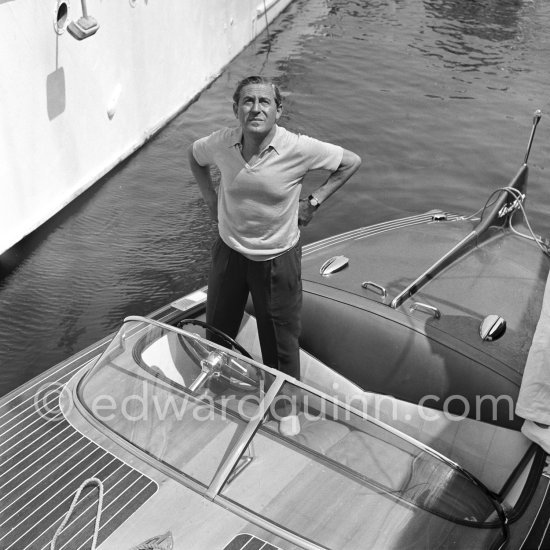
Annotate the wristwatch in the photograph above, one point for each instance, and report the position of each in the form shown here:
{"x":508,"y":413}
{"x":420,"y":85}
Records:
{"x":313,"y":201}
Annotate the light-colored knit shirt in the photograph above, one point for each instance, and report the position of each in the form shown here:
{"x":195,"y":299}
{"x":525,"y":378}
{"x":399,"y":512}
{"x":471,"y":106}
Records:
{"x":258,"y":203}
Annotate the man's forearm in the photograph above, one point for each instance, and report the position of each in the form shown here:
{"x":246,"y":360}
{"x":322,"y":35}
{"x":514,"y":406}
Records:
{"x":204,"y":180}
{"x":349,"y":165}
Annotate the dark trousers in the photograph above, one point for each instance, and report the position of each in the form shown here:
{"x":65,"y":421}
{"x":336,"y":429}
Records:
{"x":276,"y":289}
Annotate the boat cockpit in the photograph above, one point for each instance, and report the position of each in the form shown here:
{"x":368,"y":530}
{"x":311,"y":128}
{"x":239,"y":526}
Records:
{"x":316,"y":470}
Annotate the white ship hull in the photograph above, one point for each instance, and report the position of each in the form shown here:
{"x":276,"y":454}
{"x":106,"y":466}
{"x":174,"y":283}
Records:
{"x":72,"y":110}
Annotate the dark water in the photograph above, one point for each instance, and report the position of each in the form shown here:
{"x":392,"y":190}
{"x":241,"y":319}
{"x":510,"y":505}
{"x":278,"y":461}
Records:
{"x":437,"y":96}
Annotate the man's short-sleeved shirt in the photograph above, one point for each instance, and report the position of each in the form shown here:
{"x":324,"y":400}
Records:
{"x":258,"y":204}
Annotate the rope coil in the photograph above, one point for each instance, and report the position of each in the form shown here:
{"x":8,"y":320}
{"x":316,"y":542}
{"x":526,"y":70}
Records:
{"x":90,"y":481}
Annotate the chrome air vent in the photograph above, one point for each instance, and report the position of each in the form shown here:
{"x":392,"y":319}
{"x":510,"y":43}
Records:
{"x":492,"y":328}
{"x":332,"y":265}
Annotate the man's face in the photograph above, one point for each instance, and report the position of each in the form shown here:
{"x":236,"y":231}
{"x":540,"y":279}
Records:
{"x":257,"y":110}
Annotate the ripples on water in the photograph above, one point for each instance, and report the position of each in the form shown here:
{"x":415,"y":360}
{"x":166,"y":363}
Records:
{"x":436,"y":96}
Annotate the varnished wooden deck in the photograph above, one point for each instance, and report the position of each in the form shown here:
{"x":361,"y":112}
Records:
{"x":43,"y":461}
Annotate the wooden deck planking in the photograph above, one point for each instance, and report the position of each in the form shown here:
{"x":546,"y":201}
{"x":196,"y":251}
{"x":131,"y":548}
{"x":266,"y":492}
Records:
{"x":43,"y":461}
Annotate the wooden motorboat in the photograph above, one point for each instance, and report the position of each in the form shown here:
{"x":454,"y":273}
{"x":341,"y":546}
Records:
{"x":401,"y":433}
{"x":436,"y":307}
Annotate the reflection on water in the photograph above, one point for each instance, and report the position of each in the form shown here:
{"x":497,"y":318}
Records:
{"x":477,"y":36}
{"x":436,"y":96}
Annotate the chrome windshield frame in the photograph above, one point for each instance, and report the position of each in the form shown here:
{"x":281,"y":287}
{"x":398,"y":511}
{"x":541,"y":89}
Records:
{"x":214,"y":488}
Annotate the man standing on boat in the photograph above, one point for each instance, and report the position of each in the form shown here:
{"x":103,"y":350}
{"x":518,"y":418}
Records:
{"x":259,"y":210}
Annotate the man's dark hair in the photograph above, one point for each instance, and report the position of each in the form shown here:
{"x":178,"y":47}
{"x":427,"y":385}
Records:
{"x":257,"y":80}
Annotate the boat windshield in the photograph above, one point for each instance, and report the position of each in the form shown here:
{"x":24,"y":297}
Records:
{"x":316,"y":470}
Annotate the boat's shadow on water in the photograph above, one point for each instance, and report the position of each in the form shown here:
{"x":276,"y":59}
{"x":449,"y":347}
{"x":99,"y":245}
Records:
{"x":12,"y":258}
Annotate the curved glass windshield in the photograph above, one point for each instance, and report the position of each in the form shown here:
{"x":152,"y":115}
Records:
{"x":279,"y":451}
{"x":326,"y":473}
{"x":174,"y":396}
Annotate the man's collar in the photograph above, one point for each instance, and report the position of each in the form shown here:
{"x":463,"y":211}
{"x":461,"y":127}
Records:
{"x":237,"y":137}
{"x":277,"y":140}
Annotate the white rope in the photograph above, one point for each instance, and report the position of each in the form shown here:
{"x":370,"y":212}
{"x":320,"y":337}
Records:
{"x":90,"y":481}
{"x":267,"y":27}
{"x":532,"y":237}
{"x":519,"y":198}
{"x":517,"y":194}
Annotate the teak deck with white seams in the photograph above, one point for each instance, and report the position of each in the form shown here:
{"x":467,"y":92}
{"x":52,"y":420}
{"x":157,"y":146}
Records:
{"x":43,"y":461}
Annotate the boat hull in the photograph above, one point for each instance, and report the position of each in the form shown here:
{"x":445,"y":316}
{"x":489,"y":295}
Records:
{"x":428,"y":350}
{"x":72,"y":110}
{"x":170,"y":506}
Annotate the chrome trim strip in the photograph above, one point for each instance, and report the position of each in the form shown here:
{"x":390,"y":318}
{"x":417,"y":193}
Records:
{"x":370,"y":230}
{"x":225,"y":469}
